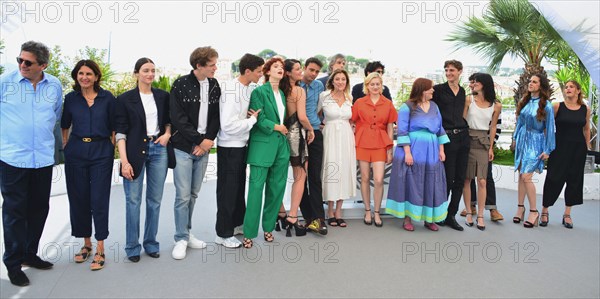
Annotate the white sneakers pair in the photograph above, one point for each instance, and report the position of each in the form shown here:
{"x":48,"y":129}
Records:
{"x":179,"y":251}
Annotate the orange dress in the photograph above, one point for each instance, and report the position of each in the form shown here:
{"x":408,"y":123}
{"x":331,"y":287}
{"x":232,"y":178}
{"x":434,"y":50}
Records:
{"x":371,"y":121}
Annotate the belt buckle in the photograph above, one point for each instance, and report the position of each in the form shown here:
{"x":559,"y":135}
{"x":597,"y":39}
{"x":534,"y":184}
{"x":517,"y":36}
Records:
{"x":455,"y":131}
{"x":86,"y":139}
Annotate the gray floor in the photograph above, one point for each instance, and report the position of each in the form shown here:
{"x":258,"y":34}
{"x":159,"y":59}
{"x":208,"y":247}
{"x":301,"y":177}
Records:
{"x":506,"y":260}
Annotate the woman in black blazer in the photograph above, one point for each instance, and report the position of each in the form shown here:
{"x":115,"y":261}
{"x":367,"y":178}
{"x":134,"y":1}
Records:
{"x":143,"y":130}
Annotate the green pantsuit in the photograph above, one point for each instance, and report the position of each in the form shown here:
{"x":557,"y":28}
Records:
{"x":268,"y":157}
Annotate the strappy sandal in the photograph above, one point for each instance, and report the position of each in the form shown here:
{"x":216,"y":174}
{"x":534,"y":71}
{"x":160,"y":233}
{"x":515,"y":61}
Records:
{"x":83,"y":255}
{"x":269,"y":237}
{"x":98,"y":262}
{"x":341,"y":222}
{"x":378,"y":224}
{"x":247,"y":243}
{"x":280,"y":219}
{"x":519,"y":219}
{"x":365,"y":219}
{"x":332,"y":221}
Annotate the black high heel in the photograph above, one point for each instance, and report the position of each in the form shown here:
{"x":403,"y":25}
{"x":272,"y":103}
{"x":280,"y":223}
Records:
{"x":517,"y":219}
{"x":480,"y":227}
{"x":528,"y":224}
{"x":282,"y":220}
{"x":567,"y":224}
{"x":300,"y":230}
{"x":469,"y":224}
{"x":545,"y":223}
{"x":378,"y":224}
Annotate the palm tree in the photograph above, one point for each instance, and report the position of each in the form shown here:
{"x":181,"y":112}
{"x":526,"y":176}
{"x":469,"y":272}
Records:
{"x":510,"y":27}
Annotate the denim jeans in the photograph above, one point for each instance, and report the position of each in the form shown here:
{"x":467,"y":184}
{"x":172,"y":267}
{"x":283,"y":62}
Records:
{"x":187,"y":176}
{"x":155,"y":167}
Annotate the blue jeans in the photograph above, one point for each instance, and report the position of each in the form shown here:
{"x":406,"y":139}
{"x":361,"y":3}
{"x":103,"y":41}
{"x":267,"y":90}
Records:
{"x":155,"y":166}
{"x":188,"y":176}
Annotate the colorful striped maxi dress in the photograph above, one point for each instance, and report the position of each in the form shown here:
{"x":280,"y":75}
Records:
{"x":419,"y":191}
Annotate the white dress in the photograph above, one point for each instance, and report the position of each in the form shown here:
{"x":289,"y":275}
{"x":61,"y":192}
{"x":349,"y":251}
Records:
{"x":339,"y":156}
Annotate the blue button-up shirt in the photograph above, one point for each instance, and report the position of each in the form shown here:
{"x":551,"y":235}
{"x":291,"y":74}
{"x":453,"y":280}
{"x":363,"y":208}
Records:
{"x":312,"y":100}
{"x":27,"y":119}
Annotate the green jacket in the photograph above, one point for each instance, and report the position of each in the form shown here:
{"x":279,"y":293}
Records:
{"x":262,"y":147}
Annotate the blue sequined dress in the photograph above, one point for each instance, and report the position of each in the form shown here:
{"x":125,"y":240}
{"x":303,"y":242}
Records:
{"x":530,"y":140}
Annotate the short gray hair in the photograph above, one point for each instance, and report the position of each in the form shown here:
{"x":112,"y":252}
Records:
{"x":41,"y":52}
{"x":333,"y":59}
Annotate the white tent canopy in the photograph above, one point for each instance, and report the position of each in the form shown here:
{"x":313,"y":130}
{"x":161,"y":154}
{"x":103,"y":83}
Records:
{"x":562,"y":16}
{"x":565,"y":19}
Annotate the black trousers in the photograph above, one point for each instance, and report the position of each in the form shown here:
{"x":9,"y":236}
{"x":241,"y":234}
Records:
{"x":26,"y":194}
{"x":231,"y":188}
{"x":311,"y":205}
{"x":88,"y":187}
{"x":490,"y":187}
{"x":457,"y":156}
{"x":565,"y":166}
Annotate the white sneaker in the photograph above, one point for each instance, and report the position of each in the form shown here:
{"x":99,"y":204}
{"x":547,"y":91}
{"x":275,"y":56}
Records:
{"x":195,"y":243}
{"x":179,"y":249}
{"x":230,"y":242}
{"x":238,"y":230}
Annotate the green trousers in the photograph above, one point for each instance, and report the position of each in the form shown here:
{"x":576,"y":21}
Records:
{"x":273,"y":180}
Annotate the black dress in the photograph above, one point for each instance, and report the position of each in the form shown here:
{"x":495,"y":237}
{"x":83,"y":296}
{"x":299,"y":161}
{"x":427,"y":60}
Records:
{"x":567,"y":161}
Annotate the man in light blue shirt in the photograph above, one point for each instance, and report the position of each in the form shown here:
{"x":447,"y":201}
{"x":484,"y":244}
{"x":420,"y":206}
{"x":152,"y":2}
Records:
{"x":30,"y":104}
{"x":312,"y":199}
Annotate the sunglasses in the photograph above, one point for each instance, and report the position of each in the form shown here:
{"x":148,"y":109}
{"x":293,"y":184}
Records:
{"x":380,"y":72}
{"x":27,"y":62}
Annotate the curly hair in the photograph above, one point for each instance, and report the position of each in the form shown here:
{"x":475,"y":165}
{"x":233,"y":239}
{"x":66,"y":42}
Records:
{"x":268,"y":64}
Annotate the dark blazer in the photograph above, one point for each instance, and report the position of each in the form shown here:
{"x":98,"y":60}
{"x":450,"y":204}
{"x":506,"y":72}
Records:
{"x":185,"y":108}
{"x":130,"y":119}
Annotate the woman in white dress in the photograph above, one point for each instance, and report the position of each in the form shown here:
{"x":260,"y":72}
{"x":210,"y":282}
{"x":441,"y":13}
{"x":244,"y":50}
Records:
{"x":339,"y":156}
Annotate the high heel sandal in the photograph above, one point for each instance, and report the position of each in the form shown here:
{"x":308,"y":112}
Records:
{"x":365,"y":219}
{"x":480,"y":227}
{"x":517,"y":219}
{"x":528,"y":224}
{"x":280,"y":219}
{"x":566,"y":224}
{"x":378,"y":224}
{"x":545,"y":223}
{"x":469,"y":224}
{"x":300,"y":230}
{"x":248,"y":243}
{"x":269,"y":237}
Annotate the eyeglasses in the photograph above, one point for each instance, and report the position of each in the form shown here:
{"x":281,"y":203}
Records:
{"x":27,"y":62}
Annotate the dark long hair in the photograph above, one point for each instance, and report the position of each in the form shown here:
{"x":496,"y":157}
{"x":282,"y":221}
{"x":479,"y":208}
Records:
{"x":93,"y":66}
{"x":544,"y":97}
{"x":489,"y":94}
{"x":284,"y":84}
{"x":138,"y":66}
